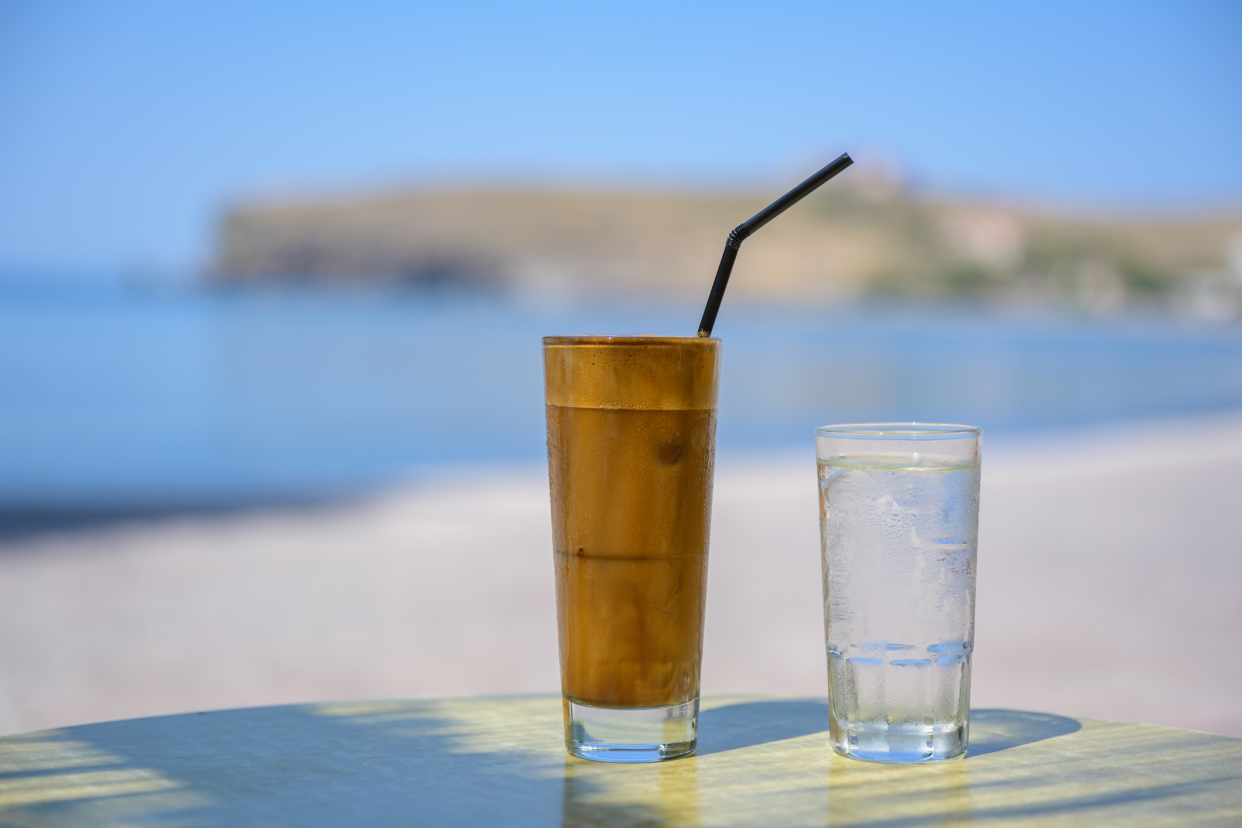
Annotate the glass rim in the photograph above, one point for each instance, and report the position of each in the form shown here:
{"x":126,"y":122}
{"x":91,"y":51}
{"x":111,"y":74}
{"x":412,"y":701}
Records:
{"x":640,"y":339}
{"x":899,"y":431}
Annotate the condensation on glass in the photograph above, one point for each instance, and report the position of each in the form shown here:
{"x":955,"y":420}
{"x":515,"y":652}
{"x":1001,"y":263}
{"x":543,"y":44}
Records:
{"x":899,"y":518}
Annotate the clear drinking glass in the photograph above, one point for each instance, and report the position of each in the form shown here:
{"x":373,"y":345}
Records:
{"x":899,"y":517}
{"x":631,"y":457}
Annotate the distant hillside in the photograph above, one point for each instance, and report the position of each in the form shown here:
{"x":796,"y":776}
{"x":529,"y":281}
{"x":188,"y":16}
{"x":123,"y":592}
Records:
{"x":839,"y":243}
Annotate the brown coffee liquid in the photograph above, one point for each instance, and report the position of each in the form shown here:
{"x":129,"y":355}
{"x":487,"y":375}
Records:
{"x":631,"y":509}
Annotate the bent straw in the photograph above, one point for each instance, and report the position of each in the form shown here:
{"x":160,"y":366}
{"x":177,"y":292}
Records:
{"x":739,"y":234}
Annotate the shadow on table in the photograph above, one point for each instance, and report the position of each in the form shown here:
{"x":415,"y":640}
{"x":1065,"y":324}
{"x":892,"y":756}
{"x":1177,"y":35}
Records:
{"x":748,"y":724}
{"x":992,"y":731}
{"x":744,"y":725}
{"x":381,"y":763}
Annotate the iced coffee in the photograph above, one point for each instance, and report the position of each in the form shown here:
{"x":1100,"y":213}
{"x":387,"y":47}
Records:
{"x":631,"y":446}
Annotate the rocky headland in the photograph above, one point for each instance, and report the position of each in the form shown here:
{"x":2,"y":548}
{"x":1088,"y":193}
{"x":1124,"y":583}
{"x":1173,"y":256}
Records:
{"x":844,"y":242}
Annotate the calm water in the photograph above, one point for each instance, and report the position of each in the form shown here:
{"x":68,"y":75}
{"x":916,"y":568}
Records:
{"x":116,"y":397}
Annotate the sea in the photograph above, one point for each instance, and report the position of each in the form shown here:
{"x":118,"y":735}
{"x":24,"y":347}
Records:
{"x":139,"y":396}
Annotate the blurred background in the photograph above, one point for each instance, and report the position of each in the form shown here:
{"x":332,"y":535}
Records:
{"x":273,"y":277}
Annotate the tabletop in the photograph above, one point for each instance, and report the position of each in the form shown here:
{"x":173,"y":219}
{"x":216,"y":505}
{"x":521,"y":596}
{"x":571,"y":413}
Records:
{"x":501,"y":761}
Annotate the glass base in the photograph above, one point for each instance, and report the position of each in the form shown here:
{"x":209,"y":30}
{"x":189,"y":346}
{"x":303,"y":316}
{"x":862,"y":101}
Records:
{"x":899,"y":744}
{"x":911,"y":708}
{"x":630,"y":734}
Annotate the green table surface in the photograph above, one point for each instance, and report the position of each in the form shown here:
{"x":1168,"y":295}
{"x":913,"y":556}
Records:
{"x":501,"y":761}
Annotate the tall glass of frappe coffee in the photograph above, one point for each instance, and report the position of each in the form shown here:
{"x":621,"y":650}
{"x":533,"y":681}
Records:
{"x":631,"y":456}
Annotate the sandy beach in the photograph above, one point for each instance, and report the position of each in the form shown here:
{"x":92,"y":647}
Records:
{"x":1109,"y":574}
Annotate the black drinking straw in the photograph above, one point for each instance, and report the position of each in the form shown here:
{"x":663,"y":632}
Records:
{"x":739,"y":234}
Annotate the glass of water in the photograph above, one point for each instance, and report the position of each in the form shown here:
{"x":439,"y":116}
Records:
{"x":899,"y":523}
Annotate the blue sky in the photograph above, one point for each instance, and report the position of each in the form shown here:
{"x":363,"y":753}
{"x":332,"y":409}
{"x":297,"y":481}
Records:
{"x":125,"y":127}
